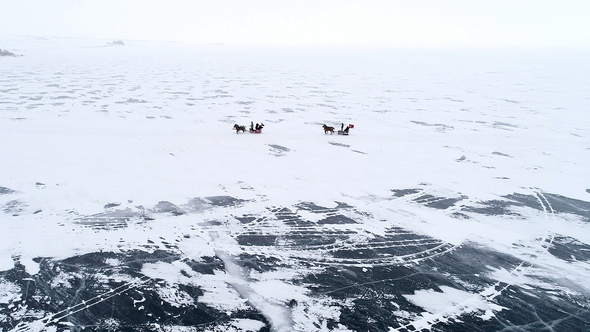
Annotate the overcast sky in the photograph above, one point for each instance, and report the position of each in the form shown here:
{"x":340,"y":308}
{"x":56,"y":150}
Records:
{"x":386,"y":23}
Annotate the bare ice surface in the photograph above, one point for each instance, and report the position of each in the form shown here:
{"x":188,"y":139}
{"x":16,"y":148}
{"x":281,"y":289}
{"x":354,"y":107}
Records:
{"x":459,"y":201}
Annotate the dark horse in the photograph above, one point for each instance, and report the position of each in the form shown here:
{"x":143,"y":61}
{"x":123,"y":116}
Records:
{"x":239,"y":128}
{"x":328,"y":129}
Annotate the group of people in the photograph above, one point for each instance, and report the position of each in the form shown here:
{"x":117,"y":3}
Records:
{"x":344,"y":131}
{"x":257,"y":127}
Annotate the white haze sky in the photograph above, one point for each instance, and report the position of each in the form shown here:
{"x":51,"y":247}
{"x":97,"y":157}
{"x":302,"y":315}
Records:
{"x":391,"y":24}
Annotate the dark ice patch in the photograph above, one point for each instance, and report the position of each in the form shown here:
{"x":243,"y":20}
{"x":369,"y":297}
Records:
{"x":176,"y":92}
{"x":289,"y":217}
{"x":549,"y":203}
{"x":471,"y":259}
{"x":197,"y":204}
{"x":562,"y":204}
{"x":132,"y":101}
{"x":459,"y":215}
{"x":503,"y":207}
{"x":376,"y":294}
{"x":96,"y":296}
{"x":328,"y":106}
{"x":218,"y":96}
{"x":33,"y":106}
{"x":259,"y":263}
{"x":6,"y":191}
{"x":304,"y":238}
{"x":503,"y":125}
{"x":167,"y":207}
{"x":278,"y":150}
{"x":553,"y":203}
{"x":342,"y":205}
{"x":256,"y":239}
{"x":379,"y":291}
{"x":279,"y":147}
{"x":438,"y":126}
{"x":111,"y":205}
{"x":569,"y":249}
{"x":492,"y":208}
{"x":438,"y":202}
{"x":454,"y":100}
{"x":531,"y":309}
{"x":501,"y":154}
{"x":339,"y":144}
{"x":526,"y":309}
{"x":511,"y":101}
{"x":404,"y":192}
{"x":372,"y":273}
{"x":336,"y":219}
{"x":246,"y":219}
{"x":210,"y":223}
{"x":14,"y":207}
{"x":224,"y":201}
{"x":115,"y":219}
{"x":312,"y":207}
{"x":531,"y":201}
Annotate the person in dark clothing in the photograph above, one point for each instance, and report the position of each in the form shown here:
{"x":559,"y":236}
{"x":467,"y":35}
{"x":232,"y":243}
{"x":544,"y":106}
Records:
{"x":251,"y":125}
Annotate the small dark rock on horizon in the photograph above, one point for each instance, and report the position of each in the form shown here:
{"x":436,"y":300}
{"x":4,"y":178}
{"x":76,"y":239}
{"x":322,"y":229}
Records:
{"x":6,"y":53}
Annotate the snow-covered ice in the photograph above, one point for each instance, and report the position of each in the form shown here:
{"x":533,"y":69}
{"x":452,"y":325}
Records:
{"x":460,"y":199}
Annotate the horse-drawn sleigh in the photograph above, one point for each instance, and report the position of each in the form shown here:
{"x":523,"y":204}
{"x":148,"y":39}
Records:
{"x":253,"y":129}
{"x":342,"y":131}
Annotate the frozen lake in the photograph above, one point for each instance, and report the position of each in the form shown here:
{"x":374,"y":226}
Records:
{"x":460,"y":201}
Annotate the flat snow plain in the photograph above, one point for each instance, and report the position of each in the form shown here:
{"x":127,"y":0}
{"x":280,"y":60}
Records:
{"x":459,"y":201}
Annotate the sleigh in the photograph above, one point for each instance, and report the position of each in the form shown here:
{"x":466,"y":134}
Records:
{"x":257,"y":130}
{"x":345,"y":131}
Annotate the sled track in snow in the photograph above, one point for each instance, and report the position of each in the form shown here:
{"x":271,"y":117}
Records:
{"x":40,"y":324}
{"x":490,"y":293}
{"x":335,"y":238}
{"x":345,"y":243}
{"x":290,"y":236}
